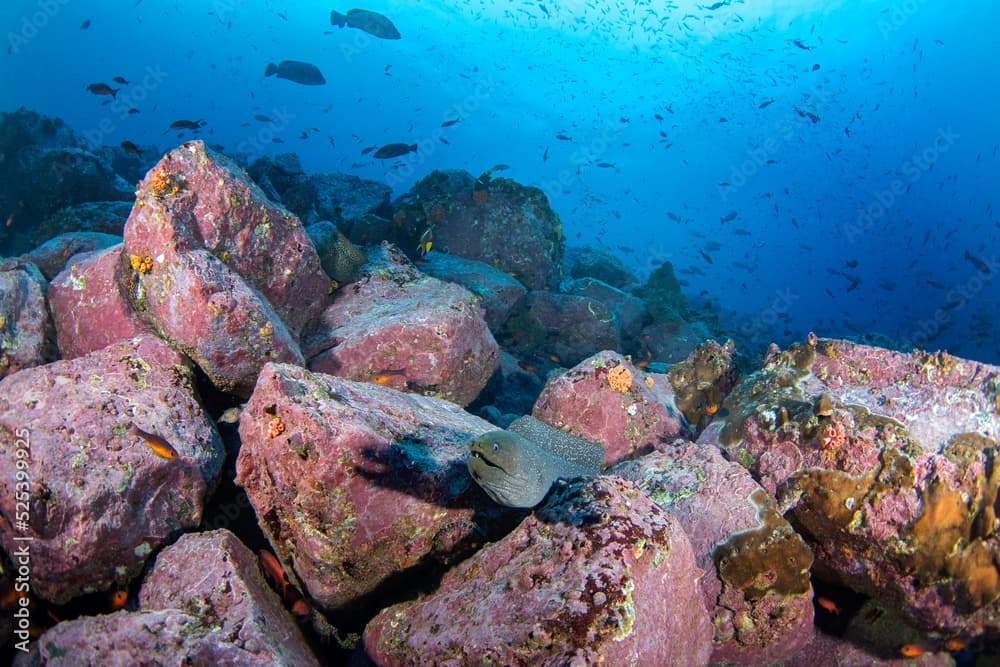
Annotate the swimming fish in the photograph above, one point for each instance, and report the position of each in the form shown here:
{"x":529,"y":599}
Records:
{"x":159,"y":446}
{"x":296,"y":71}
{"x":130,"y":147}
{"x":517,"y":466}
{"x":187,"y":124}
{"x":103,"y":89}
{"x":394,"y":150}
{"x":373,"y":23}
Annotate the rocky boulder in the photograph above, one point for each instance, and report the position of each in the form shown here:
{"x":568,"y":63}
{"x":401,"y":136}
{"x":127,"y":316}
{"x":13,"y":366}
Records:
{"x":398,"y":327}
{"x":598,"y":574}
{"x":361,"y":489}
{"x":496,"y":290}
{"x":87,"y":305}
{"x":27,"y":337}
{"x":606,"y":399}
{"x":120,"y":458}
{"x":217,"y":270}
{"x":566,"y":327}
{"x":886,"y":462}
{"x":494,"y":220}
{"x":756,"y":585}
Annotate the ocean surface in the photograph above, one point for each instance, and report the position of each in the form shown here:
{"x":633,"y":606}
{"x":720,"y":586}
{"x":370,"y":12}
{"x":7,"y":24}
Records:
{"x":804,"y":165}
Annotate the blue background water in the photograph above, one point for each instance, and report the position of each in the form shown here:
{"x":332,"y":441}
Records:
{"x":855,"y":224}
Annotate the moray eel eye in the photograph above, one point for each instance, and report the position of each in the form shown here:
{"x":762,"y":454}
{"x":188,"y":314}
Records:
{"x":496,"y":447}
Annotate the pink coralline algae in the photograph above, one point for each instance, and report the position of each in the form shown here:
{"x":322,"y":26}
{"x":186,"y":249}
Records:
{"x":887,"y":462}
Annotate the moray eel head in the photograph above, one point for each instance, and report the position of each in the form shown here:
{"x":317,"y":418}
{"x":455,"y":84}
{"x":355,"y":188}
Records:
{"x":509,"y":469}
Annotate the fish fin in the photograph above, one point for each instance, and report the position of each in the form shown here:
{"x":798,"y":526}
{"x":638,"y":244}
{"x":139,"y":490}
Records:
{"x":270,"y":69}
{"x":337,"y":19}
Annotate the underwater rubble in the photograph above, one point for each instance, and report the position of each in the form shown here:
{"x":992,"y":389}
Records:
{"x":294,"y":365}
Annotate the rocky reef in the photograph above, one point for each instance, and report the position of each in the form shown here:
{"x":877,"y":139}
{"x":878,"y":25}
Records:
{"x":229,"y":437}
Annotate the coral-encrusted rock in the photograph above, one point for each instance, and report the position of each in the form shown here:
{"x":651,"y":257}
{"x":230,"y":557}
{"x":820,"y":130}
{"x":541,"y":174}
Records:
{"x":101,"y":499}
{"x":87,"y":305}
{"x":164,"y":637}
{"x":828,"y":651}
{"x":407,"y":330}
{"x":607,"y":400}
{"x":887,"y":462}
{"x":757,"y":585}
{"x":53,"y":255}
{"x":497,"y":221}
{"x":27,"y":337}
{"x":498,"y":291}
{"x":228,"y":270}
{"x":216,"y":571}
{"x":203,"y":603}
{"x":569,"y":327}
{"x":599,"y":575}
{"x":703,"y":380}
{"x":356,"y":483}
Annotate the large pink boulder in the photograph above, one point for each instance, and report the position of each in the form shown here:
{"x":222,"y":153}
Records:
{"x":598,"y":575}
{"x":605,"y":399}
{"x":100,"y":498}
{"x":26,"y":332}
{"x":357,"y":483}
{"x":887,"y":461}
{"x":756,"y":584}
{"x":87,"y":304}
{"x":398,"y":327}
{"x":223,"y":274}
{"x":216,"y":570}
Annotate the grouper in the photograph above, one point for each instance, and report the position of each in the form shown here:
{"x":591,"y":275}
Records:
{"x":517,"y":466}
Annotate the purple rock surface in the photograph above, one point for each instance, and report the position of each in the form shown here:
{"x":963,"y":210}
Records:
{"x":355,"y":483}
{"x":87,"y":305}
{"x":605,"y":399}
{"x":214,"y":577}
{"x":229,"y":278}
{"x":399,"y":327}
{"x":887,"y":463}
{"x":756,"y":585}
{"x":600,"y":574}
{"x":27,"y":337}
{"x":100,"y":499}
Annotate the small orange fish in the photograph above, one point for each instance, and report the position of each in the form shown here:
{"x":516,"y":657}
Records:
{"x":911,"y":650}
{"x":300,"y":607}
{"x":117,"y":599}
{"x":955,"y":644}
{"x":712,"y":408}
{"x":10,"y":220}
{"x":828,"y":604}
{"x":554,"y":359}
{"x":274,"y":571}
{"x":159,"y":446}
{"x":642,"y":364}
{"x":525,"y":366}
{"x":382,"y":378}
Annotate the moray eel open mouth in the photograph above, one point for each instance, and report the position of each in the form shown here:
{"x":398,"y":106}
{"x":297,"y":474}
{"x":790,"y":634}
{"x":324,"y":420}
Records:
{"x":478,"y":456}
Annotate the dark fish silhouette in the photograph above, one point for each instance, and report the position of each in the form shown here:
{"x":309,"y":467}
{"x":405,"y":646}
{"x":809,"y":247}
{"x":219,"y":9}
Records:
{"x":296,"y":71}
{"x":394,"y":150}
{"x":187,"y":124}
{"x":103,"y":89}
{"x":130,"y":147}
{"x":373,"y":23}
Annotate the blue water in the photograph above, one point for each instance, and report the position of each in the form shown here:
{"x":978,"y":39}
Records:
{"x":855,"y":224}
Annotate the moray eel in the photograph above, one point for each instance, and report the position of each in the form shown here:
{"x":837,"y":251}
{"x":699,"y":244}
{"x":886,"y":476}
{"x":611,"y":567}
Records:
{"x":516,"y":467}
